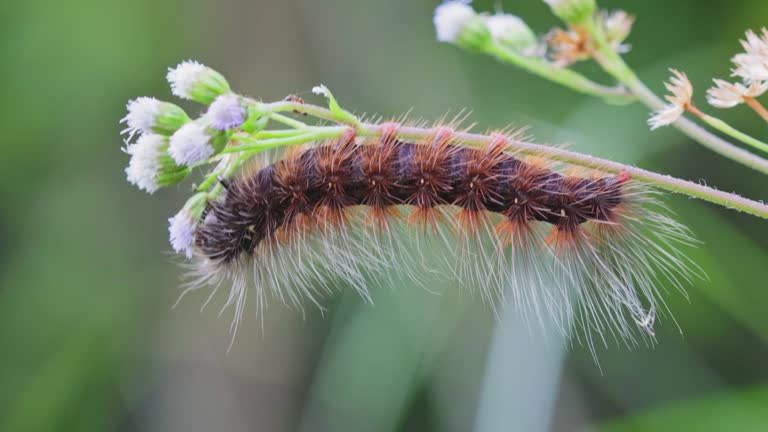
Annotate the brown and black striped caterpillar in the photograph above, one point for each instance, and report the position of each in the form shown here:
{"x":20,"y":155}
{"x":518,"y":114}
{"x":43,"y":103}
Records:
{"x":562,"y":248}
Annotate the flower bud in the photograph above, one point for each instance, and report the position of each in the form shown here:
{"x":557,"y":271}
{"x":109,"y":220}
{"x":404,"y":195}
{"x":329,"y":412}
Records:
{"x":182,"y":226}
{"x":192,"y":80}
{"x":616,"y":26}
{"x":573,"y":11}
{"x":191,"y":144}
{"x":456,"y":22}
{"x":226,"y":112}
{"x":511,"y":31}
{"x":475,"y":35}
{"x":150,"y":166}
{"x":147,"y":114}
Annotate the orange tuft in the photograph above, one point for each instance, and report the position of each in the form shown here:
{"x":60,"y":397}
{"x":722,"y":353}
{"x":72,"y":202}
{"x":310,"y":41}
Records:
{"x":538,"y":162}
{"x":379,"y":218}
{"x":469,"y":222}
{"x":512,"y":233}
{"x":565,"y":239}
{"x":425,"y":218}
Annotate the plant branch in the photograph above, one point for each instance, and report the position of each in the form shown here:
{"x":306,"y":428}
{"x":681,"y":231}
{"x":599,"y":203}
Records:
{"x":661,"y":181}
{"x":733,"y":132}
{"x":701,"y":135}
{"x":562,"y":76}
{"x":614,"y":64}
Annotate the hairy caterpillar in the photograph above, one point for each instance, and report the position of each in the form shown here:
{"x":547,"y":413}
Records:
{"x":559,"y":247}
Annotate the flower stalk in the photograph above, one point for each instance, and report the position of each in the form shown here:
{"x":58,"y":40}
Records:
{"x":729,"y":130}
{"x":756,"y":107}
{"x":614,"y":64}
{"x":618,"y":95}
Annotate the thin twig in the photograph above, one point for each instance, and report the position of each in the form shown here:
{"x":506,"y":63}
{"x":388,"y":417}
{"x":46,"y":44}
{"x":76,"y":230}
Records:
{"x":757,"y":107}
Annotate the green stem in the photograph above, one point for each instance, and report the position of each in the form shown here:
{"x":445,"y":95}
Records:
{"x":562,"y":76}
{"x":733,"y":132}
{"x":287,"y":121}
{"x":278,"y":133}
{"x":211,"y":179}
{"x":254,"y":145}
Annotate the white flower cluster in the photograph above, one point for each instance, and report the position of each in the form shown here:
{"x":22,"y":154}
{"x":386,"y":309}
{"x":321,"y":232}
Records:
{"x":169,"y":143}
{"x":751,"y":67}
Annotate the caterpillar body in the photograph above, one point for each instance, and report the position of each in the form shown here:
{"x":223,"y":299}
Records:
{"x":560,"y":248}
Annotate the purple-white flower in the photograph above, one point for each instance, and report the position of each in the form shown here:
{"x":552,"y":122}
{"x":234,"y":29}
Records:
{"x":147,"y":114}
{"x":181,"y":230}
{"x":190,"y":144}
{"x":195,"y":81}
{"x":450,"y":19}
{"x":144,"y":166}
{"x":226,"y":112}
{"x":141,"y":115}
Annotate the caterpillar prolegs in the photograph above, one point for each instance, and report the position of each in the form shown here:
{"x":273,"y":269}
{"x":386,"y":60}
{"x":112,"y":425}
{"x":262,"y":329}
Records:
{"x":594,"y":250}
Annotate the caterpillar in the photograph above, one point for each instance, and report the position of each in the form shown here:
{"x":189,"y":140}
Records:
{"x":560,"y":247}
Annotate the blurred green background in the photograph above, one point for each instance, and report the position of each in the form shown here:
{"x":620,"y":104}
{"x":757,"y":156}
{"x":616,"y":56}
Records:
{"x":90,"y":341}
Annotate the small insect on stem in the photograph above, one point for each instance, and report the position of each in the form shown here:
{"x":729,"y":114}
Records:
{"x":295,"y":99}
